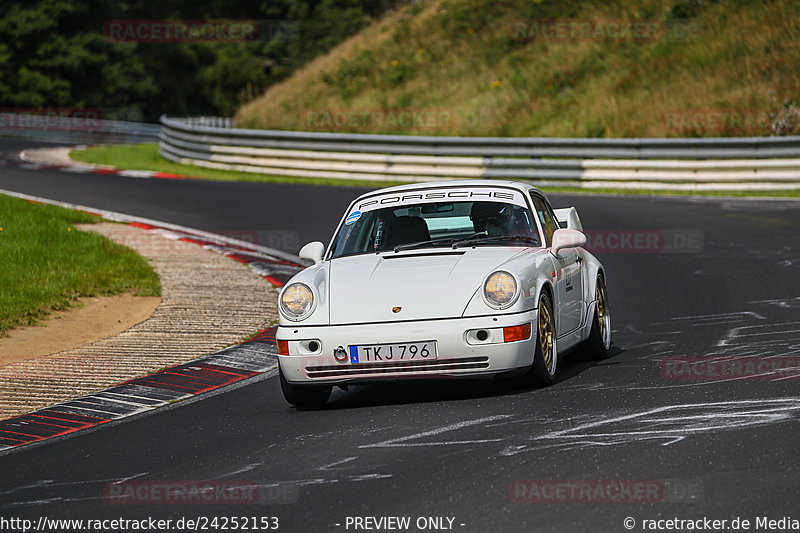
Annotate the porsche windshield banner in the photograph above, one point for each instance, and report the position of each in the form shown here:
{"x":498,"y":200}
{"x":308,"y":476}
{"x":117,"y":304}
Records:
{"x":456,"y":194}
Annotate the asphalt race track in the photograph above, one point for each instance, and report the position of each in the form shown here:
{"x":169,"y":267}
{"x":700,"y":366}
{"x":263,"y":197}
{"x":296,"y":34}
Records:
{"x":237,"y":209}
{"x":722,"y":282}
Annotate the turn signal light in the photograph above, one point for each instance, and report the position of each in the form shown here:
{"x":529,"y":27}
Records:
{"x":283,"y":347}
{"x":517,"y":333}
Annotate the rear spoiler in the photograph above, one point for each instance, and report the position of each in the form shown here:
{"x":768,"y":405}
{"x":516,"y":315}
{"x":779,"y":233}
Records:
{"x":568,"y":218}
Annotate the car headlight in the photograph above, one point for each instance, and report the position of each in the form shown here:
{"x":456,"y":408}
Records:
{"x":500,"y":289}
{"x":296,"y":301}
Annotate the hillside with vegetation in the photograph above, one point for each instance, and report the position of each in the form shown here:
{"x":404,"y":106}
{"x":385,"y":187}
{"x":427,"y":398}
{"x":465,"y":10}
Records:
{"x":644,"y":68}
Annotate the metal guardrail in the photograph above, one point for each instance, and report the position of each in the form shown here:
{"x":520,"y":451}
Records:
{"x":74,"y":130}
{"x":210,"y":122}
{"x":726,"y":163}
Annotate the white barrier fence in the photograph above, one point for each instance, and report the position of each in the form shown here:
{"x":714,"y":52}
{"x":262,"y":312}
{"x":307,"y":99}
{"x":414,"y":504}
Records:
{"x":751,"y":163}
{"x":75,"y":128}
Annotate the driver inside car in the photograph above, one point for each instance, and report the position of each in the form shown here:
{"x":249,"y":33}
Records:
{"x":489,"y":218}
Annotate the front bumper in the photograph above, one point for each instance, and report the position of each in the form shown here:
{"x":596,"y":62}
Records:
{"x":459,"y":354}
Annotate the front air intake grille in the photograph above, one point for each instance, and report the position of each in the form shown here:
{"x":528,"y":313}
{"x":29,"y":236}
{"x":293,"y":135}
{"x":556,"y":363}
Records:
{"x":421,"y":367}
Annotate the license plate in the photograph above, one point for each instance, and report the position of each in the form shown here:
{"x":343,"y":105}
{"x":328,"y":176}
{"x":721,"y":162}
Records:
{"x":406,"y":351}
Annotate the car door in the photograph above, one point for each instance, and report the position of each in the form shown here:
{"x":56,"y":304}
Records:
{"x":569,"y":275}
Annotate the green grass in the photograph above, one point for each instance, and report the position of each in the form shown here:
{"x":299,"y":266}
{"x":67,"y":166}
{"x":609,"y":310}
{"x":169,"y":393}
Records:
{"x":46,"y":264}
{"x":146,"y":157}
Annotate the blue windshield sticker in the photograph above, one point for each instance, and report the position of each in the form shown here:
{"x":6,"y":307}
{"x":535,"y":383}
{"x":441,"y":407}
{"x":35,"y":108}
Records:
{"x":355,"y":215}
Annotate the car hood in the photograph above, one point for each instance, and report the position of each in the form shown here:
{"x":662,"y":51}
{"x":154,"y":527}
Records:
{"x":418,"y":285}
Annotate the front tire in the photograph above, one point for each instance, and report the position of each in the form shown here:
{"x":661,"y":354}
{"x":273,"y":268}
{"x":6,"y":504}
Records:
{"x":545,"y":359}
{"x":598,"y":345}
{"x":304,"y":395}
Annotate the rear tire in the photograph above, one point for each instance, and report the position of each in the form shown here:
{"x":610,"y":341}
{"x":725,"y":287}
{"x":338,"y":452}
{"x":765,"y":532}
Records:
{"x":304,"y":395}
{"x":598,"y":345}
{"x":545,"y":359}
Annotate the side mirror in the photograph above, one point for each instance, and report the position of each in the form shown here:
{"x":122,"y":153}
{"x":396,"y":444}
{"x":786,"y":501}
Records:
{"x":313,"y":251}
{"x":567,"y":238}
{"x":568,"y":217}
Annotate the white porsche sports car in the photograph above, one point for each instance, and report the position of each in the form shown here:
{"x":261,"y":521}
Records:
{"x":447,"y":279}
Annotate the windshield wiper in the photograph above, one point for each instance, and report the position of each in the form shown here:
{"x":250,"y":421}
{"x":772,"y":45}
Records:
{"x":519,"y":238}
{"x":437,"y":242}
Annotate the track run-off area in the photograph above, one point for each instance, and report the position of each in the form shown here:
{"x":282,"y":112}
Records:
{"x":694,"y":416}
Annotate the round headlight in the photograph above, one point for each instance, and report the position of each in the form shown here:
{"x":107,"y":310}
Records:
{"x":296,"y":300}
{"x":500,"y":289}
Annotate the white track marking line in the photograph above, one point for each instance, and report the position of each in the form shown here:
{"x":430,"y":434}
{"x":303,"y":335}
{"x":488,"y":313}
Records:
{"x":401,"y":441}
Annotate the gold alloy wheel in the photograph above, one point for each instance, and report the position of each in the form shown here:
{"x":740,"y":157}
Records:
{"x":546,"y":336}
{"x":603,"y":316}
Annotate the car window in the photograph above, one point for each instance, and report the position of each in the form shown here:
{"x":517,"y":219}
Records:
{"x":546,"y":217}
{"x":383,"y":229}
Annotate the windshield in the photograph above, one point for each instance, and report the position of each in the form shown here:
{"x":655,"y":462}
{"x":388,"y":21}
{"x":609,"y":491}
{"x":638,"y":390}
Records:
{"x":481,"y":223}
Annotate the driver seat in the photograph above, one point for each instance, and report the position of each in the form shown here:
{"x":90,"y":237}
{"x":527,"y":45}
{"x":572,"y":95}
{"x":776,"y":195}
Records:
{"x":405,"y":229}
